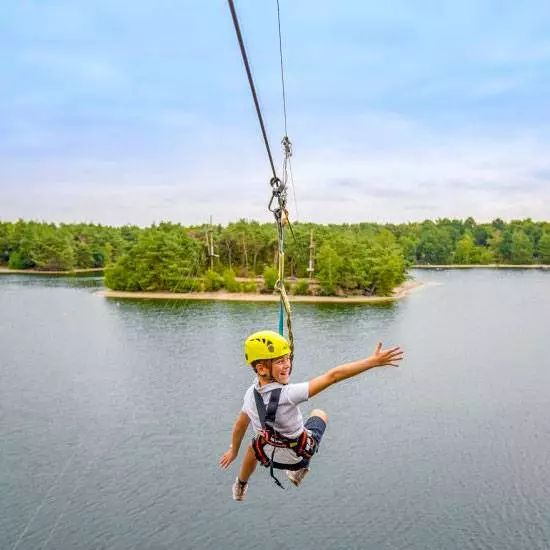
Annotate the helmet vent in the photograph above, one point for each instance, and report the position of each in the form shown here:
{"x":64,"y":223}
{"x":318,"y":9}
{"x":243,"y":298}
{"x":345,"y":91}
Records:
{"x":265,"y":344}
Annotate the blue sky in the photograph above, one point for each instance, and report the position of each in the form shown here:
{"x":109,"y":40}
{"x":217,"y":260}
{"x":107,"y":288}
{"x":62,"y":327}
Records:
{"x":134,"y":112}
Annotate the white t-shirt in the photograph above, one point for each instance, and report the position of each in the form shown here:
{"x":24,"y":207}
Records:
{"x":288,"y":420}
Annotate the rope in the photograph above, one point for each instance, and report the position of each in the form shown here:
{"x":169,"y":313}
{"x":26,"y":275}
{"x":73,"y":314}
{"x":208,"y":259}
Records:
{"x":280,"y":216}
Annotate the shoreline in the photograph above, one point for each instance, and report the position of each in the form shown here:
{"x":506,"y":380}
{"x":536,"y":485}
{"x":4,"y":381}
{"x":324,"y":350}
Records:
{"x":481,"y":266}
{"x":85,"y":271}
{"x":8,"y":271}
{"x":400,"y":292}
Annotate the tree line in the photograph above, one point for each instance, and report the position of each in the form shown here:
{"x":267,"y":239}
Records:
{"x":63,"y":247}
{"x":364,"y":258}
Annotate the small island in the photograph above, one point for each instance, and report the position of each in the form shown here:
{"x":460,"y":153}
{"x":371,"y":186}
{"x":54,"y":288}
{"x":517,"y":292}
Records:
{"x":360,"y":263}
{"x":222,"y":295}
{"x":63,"y":273}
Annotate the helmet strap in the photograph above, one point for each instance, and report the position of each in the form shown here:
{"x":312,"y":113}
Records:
{"x":268,"y":363}
{"x":271,"y":378}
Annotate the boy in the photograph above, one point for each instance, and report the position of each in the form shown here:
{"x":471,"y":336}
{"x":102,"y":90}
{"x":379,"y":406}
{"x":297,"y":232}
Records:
{"x":282,"y":440}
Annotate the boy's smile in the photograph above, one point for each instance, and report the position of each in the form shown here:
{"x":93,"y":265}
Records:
{"x":280,"y":370}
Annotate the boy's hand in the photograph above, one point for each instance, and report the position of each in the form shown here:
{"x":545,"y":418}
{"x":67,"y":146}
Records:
{"x":380,"y":357}
{"x":227,"y":458}
{"x":390,"y":356}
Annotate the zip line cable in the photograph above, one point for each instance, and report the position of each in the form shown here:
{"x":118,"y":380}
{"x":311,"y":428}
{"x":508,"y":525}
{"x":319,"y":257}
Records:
{"x":287,"y":149}
{"x":251,"y":83}
{"x":282,"y":69}
{"x":286,"y":143}
{"x":278,"y":187}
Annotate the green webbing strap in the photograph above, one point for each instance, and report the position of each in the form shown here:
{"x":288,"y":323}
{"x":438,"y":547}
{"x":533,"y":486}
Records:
{"x":280,"y":281}
{"x":280,"y":285}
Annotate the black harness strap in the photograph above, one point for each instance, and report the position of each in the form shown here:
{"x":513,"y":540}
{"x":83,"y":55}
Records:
{"x":304,"y":446}
{"x":267,"y":416}
{"x":272,"y":409}
{"x":267,"y":420}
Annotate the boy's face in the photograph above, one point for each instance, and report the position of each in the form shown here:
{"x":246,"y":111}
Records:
{"x":280,"y":369}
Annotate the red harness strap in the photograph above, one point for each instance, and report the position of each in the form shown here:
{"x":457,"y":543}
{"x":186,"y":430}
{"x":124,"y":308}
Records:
{"x":258,"y":444}
{"x":307,"y":445}
{"x":304,"y":445}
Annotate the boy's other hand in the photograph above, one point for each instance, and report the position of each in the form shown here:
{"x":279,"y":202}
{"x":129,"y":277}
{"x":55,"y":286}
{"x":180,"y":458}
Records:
{"x":227,"y":458}
{"x":390,"y":356}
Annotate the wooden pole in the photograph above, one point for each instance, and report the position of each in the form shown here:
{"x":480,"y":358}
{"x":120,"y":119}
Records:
{"x":310,"y":268}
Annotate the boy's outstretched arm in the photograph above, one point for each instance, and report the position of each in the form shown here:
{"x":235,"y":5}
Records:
{"x":379,"y":358}
{"x":239,"y":429}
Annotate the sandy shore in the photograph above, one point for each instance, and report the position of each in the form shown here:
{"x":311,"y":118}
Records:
{"x":479,"y":266}
{"x":7,"y":271}
{"x":400,"y":292}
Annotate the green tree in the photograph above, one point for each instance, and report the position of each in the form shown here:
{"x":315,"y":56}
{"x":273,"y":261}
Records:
{"x":20,"y":242}
{"x":543,"y":250}
{"x":482,"y":234}
{"x":498,"y":224}
{"x":20,"y":260}
{"x":52,"y":249}
{"x":164,"y":258}
{"x":505,"y":246}
{"x":521,"y":249}
{"x":409,"y":246}
{"x":466,"y":251}
{"x":5,"y":231}
{"x":435,"y":246}
{"x":83,"y":255}
{"x":329,"y":265}
{"x":388,"y":266}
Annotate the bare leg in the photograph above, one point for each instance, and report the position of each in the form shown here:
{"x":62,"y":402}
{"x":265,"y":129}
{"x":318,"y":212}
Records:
{"x":249,"y":464}
{"x":297,"y":476}
{"x":320,"y":413}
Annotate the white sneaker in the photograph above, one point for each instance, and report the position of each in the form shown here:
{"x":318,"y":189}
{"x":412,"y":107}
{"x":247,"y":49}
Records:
{"x":239,"y":490}
{"x":297,"y":476}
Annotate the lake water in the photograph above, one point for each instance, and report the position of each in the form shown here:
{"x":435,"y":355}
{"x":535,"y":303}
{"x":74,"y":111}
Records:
{"x":114,"y":414}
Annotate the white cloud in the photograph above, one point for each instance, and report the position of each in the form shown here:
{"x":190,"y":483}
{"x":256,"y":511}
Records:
{"x":436,"y":176}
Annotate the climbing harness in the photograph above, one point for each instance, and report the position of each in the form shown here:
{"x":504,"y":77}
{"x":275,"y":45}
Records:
{"x":277,"y":204}
{"x":305,"y":445}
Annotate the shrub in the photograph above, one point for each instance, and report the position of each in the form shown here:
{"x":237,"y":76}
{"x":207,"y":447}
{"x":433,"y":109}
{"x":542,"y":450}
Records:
{"x":188,"y":285}
{"x":19,"y":260}
{"x":250,"y":287}
{"x":212,"y":281}
{"x":229,"y":281}
{"x":302,"y":288}
{"x":270,"y":278}
{"x":327,"y":289}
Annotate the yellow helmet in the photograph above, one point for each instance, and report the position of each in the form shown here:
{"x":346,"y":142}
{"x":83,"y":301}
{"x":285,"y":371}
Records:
{"x":265,"y":344}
